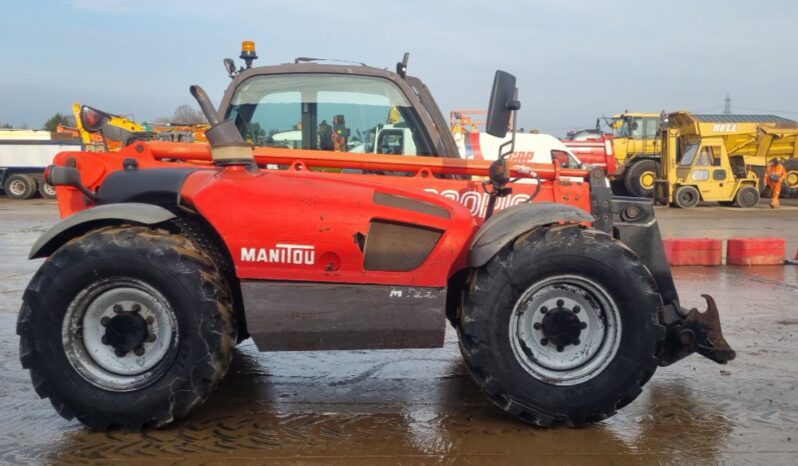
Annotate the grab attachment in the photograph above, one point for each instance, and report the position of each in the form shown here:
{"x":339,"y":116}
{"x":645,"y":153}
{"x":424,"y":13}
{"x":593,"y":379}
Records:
{"x":689,"y":332}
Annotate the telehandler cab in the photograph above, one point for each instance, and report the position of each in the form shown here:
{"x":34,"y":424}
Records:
{"x":170,"y":253}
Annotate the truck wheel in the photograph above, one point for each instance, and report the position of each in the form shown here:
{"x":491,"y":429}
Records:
{"x":686,"y":197}
{"x":46,"y":191}
{"x":789,"y":188}
{"x":20,"y":186}
{"x":640,"y":177}
{"x":747,"y":197}
{"x":126,"y":327}
{"x":561,"y":327}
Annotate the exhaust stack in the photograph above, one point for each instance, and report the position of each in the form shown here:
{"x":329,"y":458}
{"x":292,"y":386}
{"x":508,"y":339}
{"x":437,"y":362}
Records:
{"x":227,"y":145}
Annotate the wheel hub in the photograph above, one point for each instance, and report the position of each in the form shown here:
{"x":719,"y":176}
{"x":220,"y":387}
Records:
{"x":126,"y":331}
{"x":561,"y":327}
{"x":647,"y":179}
{"x":565,"y":329}
{"x":17,"y":187}
{"x":120,"y":333}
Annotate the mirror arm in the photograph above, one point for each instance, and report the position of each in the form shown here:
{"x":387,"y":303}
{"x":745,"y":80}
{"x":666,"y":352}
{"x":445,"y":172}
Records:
{"x":513,"y":105}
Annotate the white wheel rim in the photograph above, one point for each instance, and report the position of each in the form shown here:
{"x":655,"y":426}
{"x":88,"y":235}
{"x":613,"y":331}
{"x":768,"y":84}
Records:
{"x":576,"y":362}
{"x":17,"y":187}
{"x":48,"y":189}
{"x":88,"y":319}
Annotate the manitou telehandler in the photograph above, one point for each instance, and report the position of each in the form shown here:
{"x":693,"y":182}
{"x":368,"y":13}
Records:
{"x":170,"y":253}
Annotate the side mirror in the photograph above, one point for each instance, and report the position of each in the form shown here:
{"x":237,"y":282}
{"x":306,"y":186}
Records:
{"x":55,"y":175}
{"x":502,"y":104}
{"x":230,"y":66}
{"x":92,"y":119}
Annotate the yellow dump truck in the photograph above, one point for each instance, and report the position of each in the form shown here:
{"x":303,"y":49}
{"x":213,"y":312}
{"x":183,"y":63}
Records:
{"x":723,"y":158}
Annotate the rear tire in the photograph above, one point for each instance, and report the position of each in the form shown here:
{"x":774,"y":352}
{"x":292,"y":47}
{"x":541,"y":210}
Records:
{"x":686,"y":197}
{"x":639,"y":178}
{"x":126,"y":327}
{"x":46,"y":191}
{"x":584,"y":379}
{"x":20,"y":186}
{"x":789,"y":188}
{"x":747,"y":197}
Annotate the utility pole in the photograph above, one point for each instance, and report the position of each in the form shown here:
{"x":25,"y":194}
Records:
{"x":727,"y":105}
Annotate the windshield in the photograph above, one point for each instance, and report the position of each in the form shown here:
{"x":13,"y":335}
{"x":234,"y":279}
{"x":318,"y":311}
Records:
{"x":621,"y":128}
{"x":636,"y":127}
{"x":328,"y":112}
{"x":688,"y":154}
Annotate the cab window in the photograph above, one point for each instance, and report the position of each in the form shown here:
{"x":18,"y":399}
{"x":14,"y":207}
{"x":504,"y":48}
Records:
{"x":358,"y":114}
{"x":705,"y":157}
{"x":688,"y":154}
{"x":636,"y":128}
{"x":650,"y":128}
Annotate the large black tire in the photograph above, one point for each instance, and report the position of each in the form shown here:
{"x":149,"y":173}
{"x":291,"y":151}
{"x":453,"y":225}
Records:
{"x":556,"y":255}
{"x":639,"y":178}
{"x":179,"y":288}
{"x":747,"y":197}
{"x":789,"y":188}
{"x":686,"y":197}
{"x":20,"y":186}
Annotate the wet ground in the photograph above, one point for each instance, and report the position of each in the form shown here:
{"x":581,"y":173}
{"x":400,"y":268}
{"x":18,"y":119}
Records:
{"x":420,"y":406}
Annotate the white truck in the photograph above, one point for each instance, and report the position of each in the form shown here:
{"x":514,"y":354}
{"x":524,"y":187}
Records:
{"x":529,"y":148}
{"x":23,"y":156}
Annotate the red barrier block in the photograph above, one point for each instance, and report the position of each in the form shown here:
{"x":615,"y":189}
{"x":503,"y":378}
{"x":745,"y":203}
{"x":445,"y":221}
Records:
{"x":693,"y":251}
{"x":755,"y":251}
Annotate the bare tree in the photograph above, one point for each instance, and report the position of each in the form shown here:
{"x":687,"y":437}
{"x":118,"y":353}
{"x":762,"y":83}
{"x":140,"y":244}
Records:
{"x":188,"y":115}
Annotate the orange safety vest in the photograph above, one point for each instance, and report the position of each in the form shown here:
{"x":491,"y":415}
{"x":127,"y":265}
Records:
{"x":779,"y":171}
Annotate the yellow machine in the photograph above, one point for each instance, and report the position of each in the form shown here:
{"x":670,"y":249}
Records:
{"x":722,"y":158}
{"x":104,"y":131}
{"x":636,"y":146}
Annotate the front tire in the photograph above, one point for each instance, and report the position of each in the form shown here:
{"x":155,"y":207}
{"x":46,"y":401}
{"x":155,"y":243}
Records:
{"x":126,"y":327}
{"x":561,"y":327}
{"x":789,"y":188}
{"x":686,"y":197}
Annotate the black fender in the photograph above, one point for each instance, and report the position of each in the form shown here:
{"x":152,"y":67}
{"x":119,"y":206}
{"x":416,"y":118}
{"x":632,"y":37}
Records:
{"x":509,"y":223}
{"x":109,"y":214}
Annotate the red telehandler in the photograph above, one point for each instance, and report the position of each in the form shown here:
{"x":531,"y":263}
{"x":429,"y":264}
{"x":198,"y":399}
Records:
{"x":170,"y":253}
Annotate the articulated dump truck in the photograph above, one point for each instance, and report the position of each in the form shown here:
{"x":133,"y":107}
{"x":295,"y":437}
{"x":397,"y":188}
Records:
{"x":723,"y":158}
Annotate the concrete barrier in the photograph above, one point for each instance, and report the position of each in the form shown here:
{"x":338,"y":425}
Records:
{"x":693,"y":251}
{"x":755,"y":251}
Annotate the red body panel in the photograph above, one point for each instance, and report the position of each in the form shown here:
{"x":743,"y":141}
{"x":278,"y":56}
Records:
{"x":596,"y":153}
{"x":306,"y":225}
{"x":298,"y":224}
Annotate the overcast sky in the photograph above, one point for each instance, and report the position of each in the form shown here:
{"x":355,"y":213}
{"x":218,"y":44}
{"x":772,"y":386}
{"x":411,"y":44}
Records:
{"x":574,"y":60}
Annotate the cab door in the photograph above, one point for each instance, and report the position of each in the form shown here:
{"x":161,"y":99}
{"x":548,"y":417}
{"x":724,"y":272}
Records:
{"x":650,"y":142}
{"x":711,"y":172}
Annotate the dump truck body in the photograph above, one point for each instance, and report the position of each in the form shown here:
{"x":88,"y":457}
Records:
{"x":718,"y":155}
